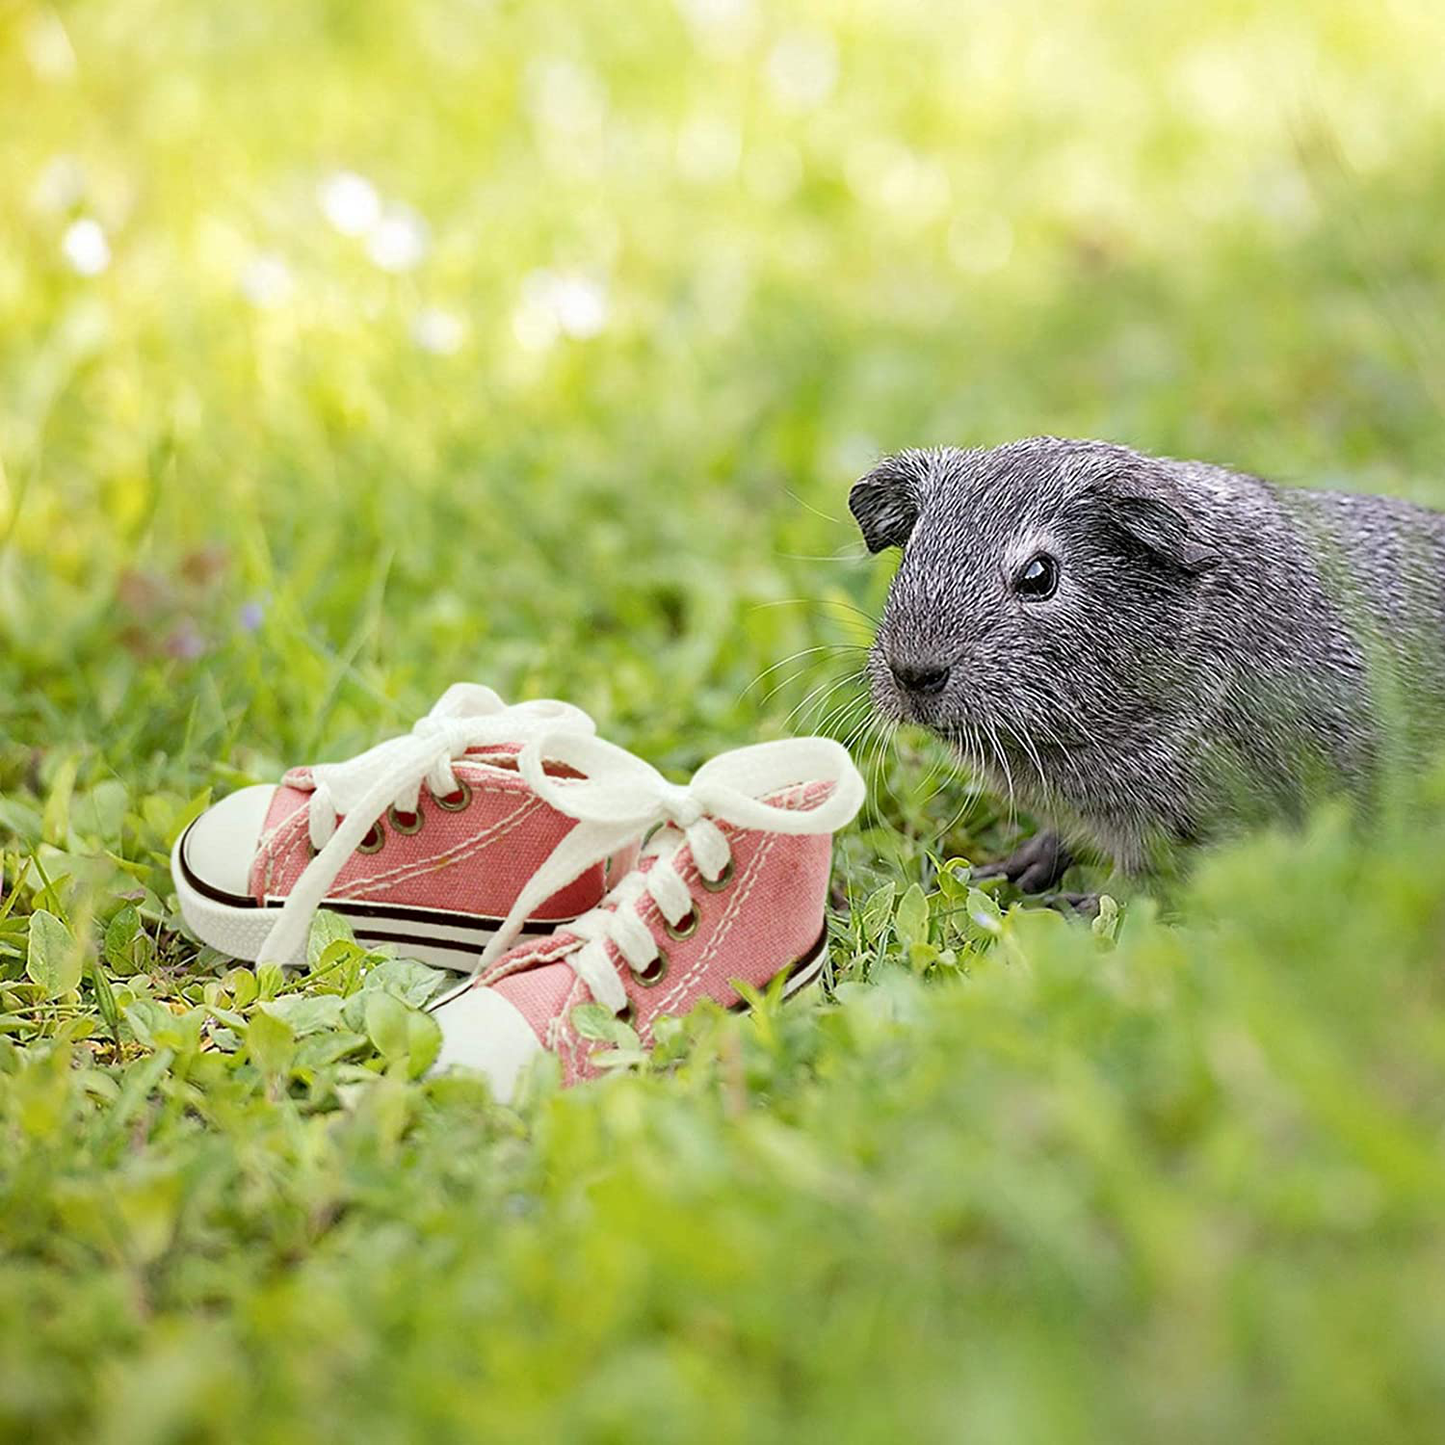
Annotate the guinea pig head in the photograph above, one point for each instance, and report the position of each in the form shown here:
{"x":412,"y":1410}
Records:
{"x":1042,"y":593}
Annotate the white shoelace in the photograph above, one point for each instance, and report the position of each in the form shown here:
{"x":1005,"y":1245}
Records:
{"x":619,"y":797}
{"x":350,"y":797}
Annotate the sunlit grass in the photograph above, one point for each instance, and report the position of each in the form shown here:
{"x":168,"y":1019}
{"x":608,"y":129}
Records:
{"x":346,"y":351}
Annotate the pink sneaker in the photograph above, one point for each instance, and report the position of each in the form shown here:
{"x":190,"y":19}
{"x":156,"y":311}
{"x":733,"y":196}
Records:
{"x":424,"y":841}
{"x":733,"y":886}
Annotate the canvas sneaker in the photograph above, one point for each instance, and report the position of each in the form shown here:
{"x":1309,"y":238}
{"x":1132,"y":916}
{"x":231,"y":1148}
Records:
{"x":424,"y":841}
{"x":732,"y":885}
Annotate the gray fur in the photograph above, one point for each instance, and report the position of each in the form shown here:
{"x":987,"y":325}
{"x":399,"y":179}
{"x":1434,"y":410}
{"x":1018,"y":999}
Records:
{"x":1218,"y":648}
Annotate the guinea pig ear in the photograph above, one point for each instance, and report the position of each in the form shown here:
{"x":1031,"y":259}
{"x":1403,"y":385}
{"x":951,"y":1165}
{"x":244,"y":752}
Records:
{"x":1161,"y":523}
{"x":885,"y":503}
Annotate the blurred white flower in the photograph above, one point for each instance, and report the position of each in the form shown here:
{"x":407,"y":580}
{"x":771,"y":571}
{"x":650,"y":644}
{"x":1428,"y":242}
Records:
{"x":708,"y":149}
{"x":85,"y":247}
{"x":266,"y":280}
{"x":350,"y":202}
{"x":565,"y":98}
{"x":803,"y":68}
{"x":557,"y":304}
{"x":890,"y":176}
{"x":48,"y":47}
{"x":400,"y":240}
{"x":440,"y":332}
{"x":581,"y":306}
{"x":722,"y":26}
{"x":534,"y":325}
{"x":60,"y":184}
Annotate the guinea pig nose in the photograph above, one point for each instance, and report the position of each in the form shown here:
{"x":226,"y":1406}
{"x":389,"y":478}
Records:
{"x":924,"y":678}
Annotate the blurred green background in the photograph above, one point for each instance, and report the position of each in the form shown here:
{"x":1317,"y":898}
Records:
{"x":350,"y":349}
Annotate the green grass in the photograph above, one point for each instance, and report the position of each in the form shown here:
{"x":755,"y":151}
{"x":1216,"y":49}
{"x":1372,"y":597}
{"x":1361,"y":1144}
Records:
{"x":261,"y":499}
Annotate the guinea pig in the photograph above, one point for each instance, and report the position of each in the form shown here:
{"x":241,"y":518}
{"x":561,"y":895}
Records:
{"x":1145,"y":652}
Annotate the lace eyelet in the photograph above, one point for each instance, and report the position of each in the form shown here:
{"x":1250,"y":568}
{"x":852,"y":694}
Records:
{"x":685,"y":927}
{"x":404,"y":823}
{"x":716,"y":885}
{"x":655,"y":971}
{"x":458,"y":801}
{"x":374,"y":840}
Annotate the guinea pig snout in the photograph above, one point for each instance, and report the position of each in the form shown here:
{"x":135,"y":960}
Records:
{"x":920,"y":678}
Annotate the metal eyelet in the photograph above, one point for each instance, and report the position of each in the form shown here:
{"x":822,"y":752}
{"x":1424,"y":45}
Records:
{"x":404,"y":823}
{"x":374,"y":840}
{"x":685,"y":927}
{"x":457,"y":801}
{"x":655,"y":971}
{"x":715,"y":885}
{"x":629,"y":1014}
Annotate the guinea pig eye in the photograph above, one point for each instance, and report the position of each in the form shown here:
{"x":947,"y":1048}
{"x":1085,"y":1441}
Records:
{"x":1038,"y":578}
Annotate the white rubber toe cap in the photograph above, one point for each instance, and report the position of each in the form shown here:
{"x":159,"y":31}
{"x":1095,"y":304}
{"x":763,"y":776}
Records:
{"x":220,"y":846}
{"x":485,"y":1032}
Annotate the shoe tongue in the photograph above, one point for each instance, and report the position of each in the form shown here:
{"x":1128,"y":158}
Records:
{"x":538,"y":993}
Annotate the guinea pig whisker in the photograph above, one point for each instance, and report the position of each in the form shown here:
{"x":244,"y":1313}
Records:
{"x":1021,"y":736}
{"x":804,"y":707}
{"x":807,"y":506}
{"x":852,"y":552}
{"x":966,"y":803}
{"x":875,"y":740}
{"x":794,"y":656}
{"x":860,"y":727}
{"x":820,"y":603}
{"x":999,"y":753}
{"x":842,"y":716}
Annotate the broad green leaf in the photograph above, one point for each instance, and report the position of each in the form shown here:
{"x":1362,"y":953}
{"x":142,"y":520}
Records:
{"x":406,"y":979}
{"x":386,"y":1024}
{"x":983,"y":912}
{"x":874,"y":915}
{"x":326,"y":928}
{"x":242,"y":984}
{"x":423,"y":1042}
{"x":153,"y":1024}
{"x":320,"y":1050}
{"x":270,"y":1043}
{"x":593,"y":1021}
{"x":120,"y":935}
{"x":305,"y":1013}
{"x":922,"y":956}
{"x":911,"y":920}
{"x":52,"y":956}
{"x":953,"y":880}
{"x":1106,"y":924}
{"x":270,"y":980}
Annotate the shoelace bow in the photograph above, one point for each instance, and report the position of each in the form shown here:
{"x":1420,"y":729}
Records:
{"x":350,"y":797}
{"x":619,"y":798}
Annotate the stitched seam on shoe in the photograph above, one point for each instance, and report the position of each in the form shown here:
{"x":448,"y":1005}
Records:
{"x":295,"y":820}
{"x":724,"y":926}
{"x":385,"y":882}
{"x":503,"y":969}
{"x":560,"y":1037}
{"x":293,"y":825}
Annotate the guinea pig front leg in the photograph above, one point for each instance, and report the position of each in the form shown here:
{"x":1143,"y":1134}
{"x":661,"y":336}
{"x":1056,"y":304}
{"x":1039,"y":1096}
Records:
{"x":1035,"y":866}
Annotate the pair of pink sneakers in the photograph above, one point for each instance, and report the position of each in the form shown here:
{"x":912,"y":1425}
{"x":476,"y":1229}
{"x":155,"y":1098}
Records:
{"x":513,"y":843}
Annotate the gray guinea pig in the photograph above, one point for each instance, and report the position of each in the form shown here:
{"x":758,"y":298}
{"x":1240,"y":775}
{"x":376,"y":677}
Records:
{"x":1146,"y":652}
